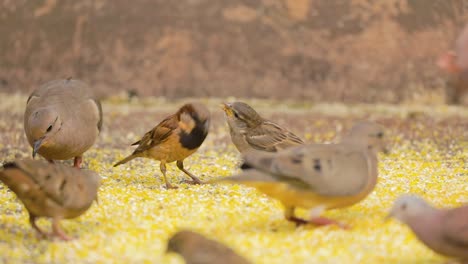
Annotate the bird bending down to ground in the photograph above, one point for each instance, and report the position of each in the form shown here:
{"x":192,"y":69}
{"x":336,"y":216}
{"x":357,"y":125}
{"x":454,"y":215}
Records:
{"x":197,"y":249}
{"x":48,"y":190}
{"x":174,"y":139}
{"x":443,"y":230}
{"x":249,"y":131}
{"x":62,"y":120}
{"x":318,"y":176}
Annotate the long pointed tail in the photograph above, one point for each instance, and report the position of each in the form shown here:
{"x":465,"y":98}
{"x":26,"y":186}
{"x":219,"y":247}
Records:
{"x":127,"y":159}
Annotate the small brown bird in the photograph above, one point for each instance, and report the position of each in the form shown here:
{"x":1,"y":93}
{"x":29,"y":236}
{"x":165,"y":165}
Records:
{"x":443,"y":230}
{"x":318,"y":177}
{"x":197,"y":249}
{"x":62,"y":120}
{"x":250,"y":131}
{"x":174,"y":139}
{"x":48,"y":190}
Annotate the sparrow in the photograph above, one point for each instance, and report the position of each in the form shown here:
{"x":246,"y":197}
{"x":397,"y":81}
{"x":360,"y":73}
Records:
{"x":250,"y":131}
{"x":197,"y":249}
{"x":62,"y":120}
{"x":51,"y":190}
{"x":317,"y":177}
{"x":174,"y":139}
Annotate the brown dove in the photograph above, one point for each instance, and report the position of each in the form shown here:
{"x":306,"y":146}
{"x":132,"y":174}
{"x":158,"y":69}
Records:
{"x":443,"y":230}
{"x":51,"y":190}
{"x":197,"y":249}
{"x":318,"y":176}
{"x":249,"y":131}
{"x":62,"y":120}
{"x":174,"y":139}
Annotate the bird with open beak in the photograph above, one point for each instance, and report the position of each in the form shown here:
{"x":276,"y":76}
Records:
{"x":249,"y":131}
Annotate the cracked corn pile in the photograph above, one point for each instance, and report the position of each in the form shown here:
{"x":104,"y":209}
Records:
{"x":136,"y":215}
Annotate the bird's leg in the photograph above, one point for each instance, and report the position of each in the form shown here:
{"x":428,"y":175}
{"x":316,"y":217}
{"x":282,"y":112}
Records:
{"x":195,"y":180}
{"x":77,"y":162}
{"x":323,"y":221}
{"x":57,"y":230}
{"x":162,"y":167}
{"x":51,"y":161}
{"x":289,"y":215}
{"x":32,"y":220}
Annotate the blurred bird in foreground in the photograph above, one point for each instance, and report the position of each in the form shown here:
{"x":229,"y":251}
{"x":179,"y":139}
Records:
{"x":250,"y":131}
{"x":318,"y":176}
{"x":174,"y":139}
{"x":48,"y":190}
{"x":443,"y":230}
{"x":197,"y":249}
{"x":62,"y":120}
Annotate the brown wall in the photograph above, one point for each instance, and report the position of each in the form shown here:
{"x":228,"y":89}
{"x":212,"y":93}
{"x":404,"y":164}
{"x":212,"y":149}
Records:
{"x":351,"y":50}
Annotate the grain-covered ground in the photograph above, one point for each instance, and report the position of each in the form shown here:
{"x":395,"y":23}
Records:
{"x":136,"y":215}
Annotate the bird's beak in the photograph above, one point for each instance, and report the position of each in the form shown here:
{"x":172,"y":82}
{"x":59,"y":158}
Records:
{"x":227,"y":108}
{"x":37,"y":145}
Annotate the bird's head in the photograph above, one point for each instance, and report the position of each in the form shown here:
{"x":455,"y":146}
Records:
{"x":241,"y":116}
{"x":44,"y":124}
{"x":368,"y":133}
{"x":193,"y":115}
{"x":407,"y":207}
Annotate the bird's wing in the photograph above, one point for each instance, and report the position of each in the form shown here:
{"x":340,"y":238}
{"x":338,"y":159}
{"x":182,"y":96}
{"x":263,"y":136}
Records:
{"x":69,"y":187}
{"x":455,"y":227}
{"x":157,"y":135}
{"x":271,"y":137}
{"x":333,"y":170}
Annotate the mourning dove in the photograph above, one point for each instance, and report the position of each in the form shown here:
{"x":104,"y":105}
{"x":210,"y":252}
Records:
{"x":318,"y":176}
{"x":62,"y":120}
{"x":174,"y":139}
{"x":443,"y":230}
{"x":197,"y":249}
{"x":48,"y":190}
{"x":250,"y":131}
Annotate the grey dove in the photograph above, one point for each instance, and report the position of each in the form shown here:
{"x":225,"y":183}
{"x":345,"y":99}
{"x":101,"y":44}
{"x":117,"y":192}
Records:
{"x":62,"y":120}
{"x":318,"y":177}
{"x":48,"y":190}
{"x":443,"y":230}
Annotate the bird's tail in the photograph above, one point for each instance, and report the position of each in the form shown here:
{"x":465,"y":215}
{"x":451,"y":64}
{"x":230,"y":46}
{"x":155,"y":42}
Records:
{"x":127,"y":159}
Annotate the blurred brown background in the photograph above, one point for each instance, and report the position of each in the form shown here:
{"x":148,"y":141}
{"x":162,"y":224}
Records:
{"x":319,"y":50}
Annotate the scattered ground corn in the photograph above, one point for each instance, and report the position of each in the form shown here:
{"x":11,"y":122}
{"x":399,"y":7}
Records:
{"x":136,"y":214}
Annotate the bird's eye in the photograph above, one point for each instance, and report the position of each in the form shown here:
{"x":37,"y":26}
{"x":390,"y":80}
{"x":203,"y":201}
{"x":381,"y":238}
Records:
{"x":403,"y":206}
{"x":49,"y":128}
{"x":380,"y":135}
{"x":236,"y":114}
